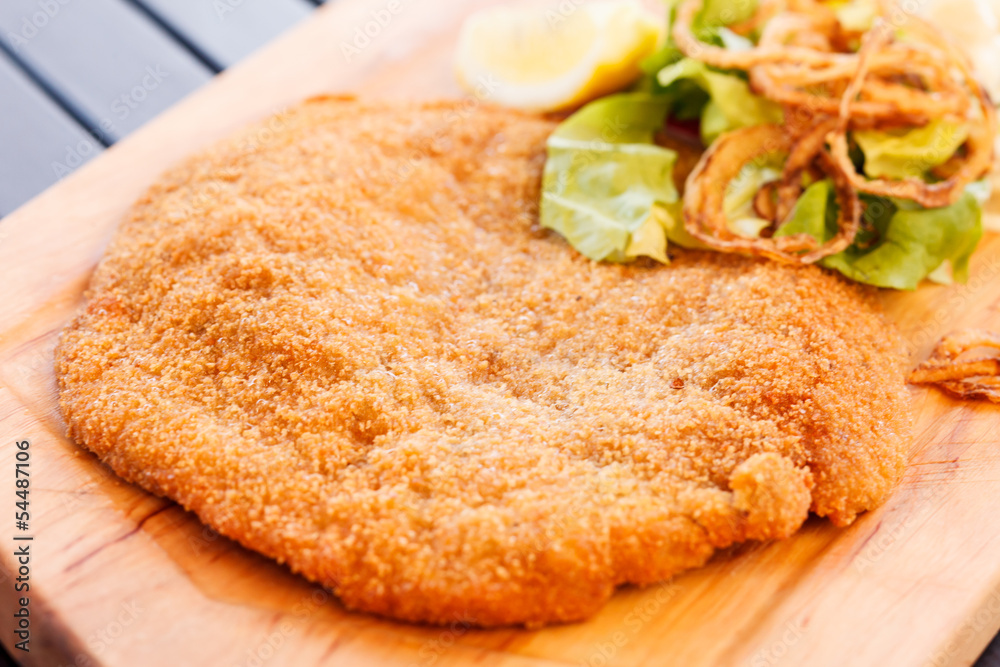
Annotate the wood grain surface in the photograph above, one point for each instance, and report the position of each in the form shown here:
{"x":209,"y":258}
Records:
{"x":122,"y":578}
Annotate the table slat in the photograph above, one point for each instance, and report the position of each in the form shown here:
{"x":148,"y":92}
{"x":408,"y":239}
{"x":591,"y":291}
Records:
{"x":39,"y":142}
{"x":228,"y":30}
{"x":109,"y":63}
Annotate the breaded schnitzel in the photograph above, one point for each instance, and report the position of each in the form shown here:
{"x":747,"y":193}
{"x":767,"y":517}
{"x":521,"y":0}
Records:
{"x":352,"y":348}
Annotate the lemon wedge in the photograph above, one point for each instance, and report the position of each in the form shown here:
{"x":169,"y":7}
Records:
{"x":557,"y":58}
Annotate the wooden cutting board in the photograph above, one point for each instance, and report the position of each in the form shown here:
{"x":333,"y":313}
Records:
{"x":120,"y":578}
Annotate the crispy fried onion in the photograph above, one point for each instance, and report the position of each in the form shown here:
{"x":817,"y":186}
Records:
{"x":716,"y":56}
{"x":979,"y":146}
{"x":704,"y":215}
{"x":805,"y":61}
{"x":926,"y":91}
{"x":960,"y":366}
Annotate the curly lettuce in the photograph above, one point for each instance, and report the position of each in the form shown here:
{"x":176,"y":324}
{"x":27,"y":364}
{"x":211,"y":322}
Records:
{"x":902,"y":243}
{"x":912,"y":153}
{"x":607,"y":187}
{"x":722,"y":100}
{"x":729,"y":105}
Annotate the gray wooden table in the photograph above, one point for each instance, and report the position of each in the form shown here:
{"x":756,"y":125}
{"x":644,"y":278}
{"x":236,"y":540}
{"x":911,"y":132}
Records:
{"x":78,"y":75}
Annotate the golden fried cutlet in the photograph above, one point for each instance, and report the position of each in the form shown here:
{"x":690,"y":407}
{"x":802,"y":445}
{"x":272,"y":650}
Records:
{"x":342,"y":339}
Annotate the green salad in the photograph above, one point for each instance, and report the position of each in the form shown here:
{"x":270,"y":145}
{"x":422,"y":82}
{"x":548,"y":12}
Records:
{"x":609,"y":189}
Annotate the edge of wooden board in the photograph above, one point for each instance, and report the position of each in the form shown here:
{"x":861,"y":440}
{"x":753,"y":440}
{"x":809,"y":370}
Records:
{"x":905,"y":568}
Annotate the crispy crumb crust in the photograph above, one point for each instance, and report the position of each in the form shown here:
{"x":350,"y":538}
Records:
{"x":342,"y":339}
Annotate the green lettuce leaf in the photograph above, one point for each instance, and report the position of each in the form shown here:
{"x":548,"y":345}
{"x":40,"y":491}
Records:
{"x":715,"y":15}
{"x":911,"y":153}
{"x":730,"y":103}
{"x":722,"y":100}
{"x":814,"y":213}
{"x":906,"y":243}
{"x":607,"y":188}
{"x":737,"y":205}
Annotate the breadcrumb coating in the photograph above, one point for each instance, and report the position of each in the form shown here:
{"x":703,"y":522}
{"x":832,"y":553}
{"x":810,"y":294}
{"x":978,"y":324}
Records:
{"x":342,"y":339}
